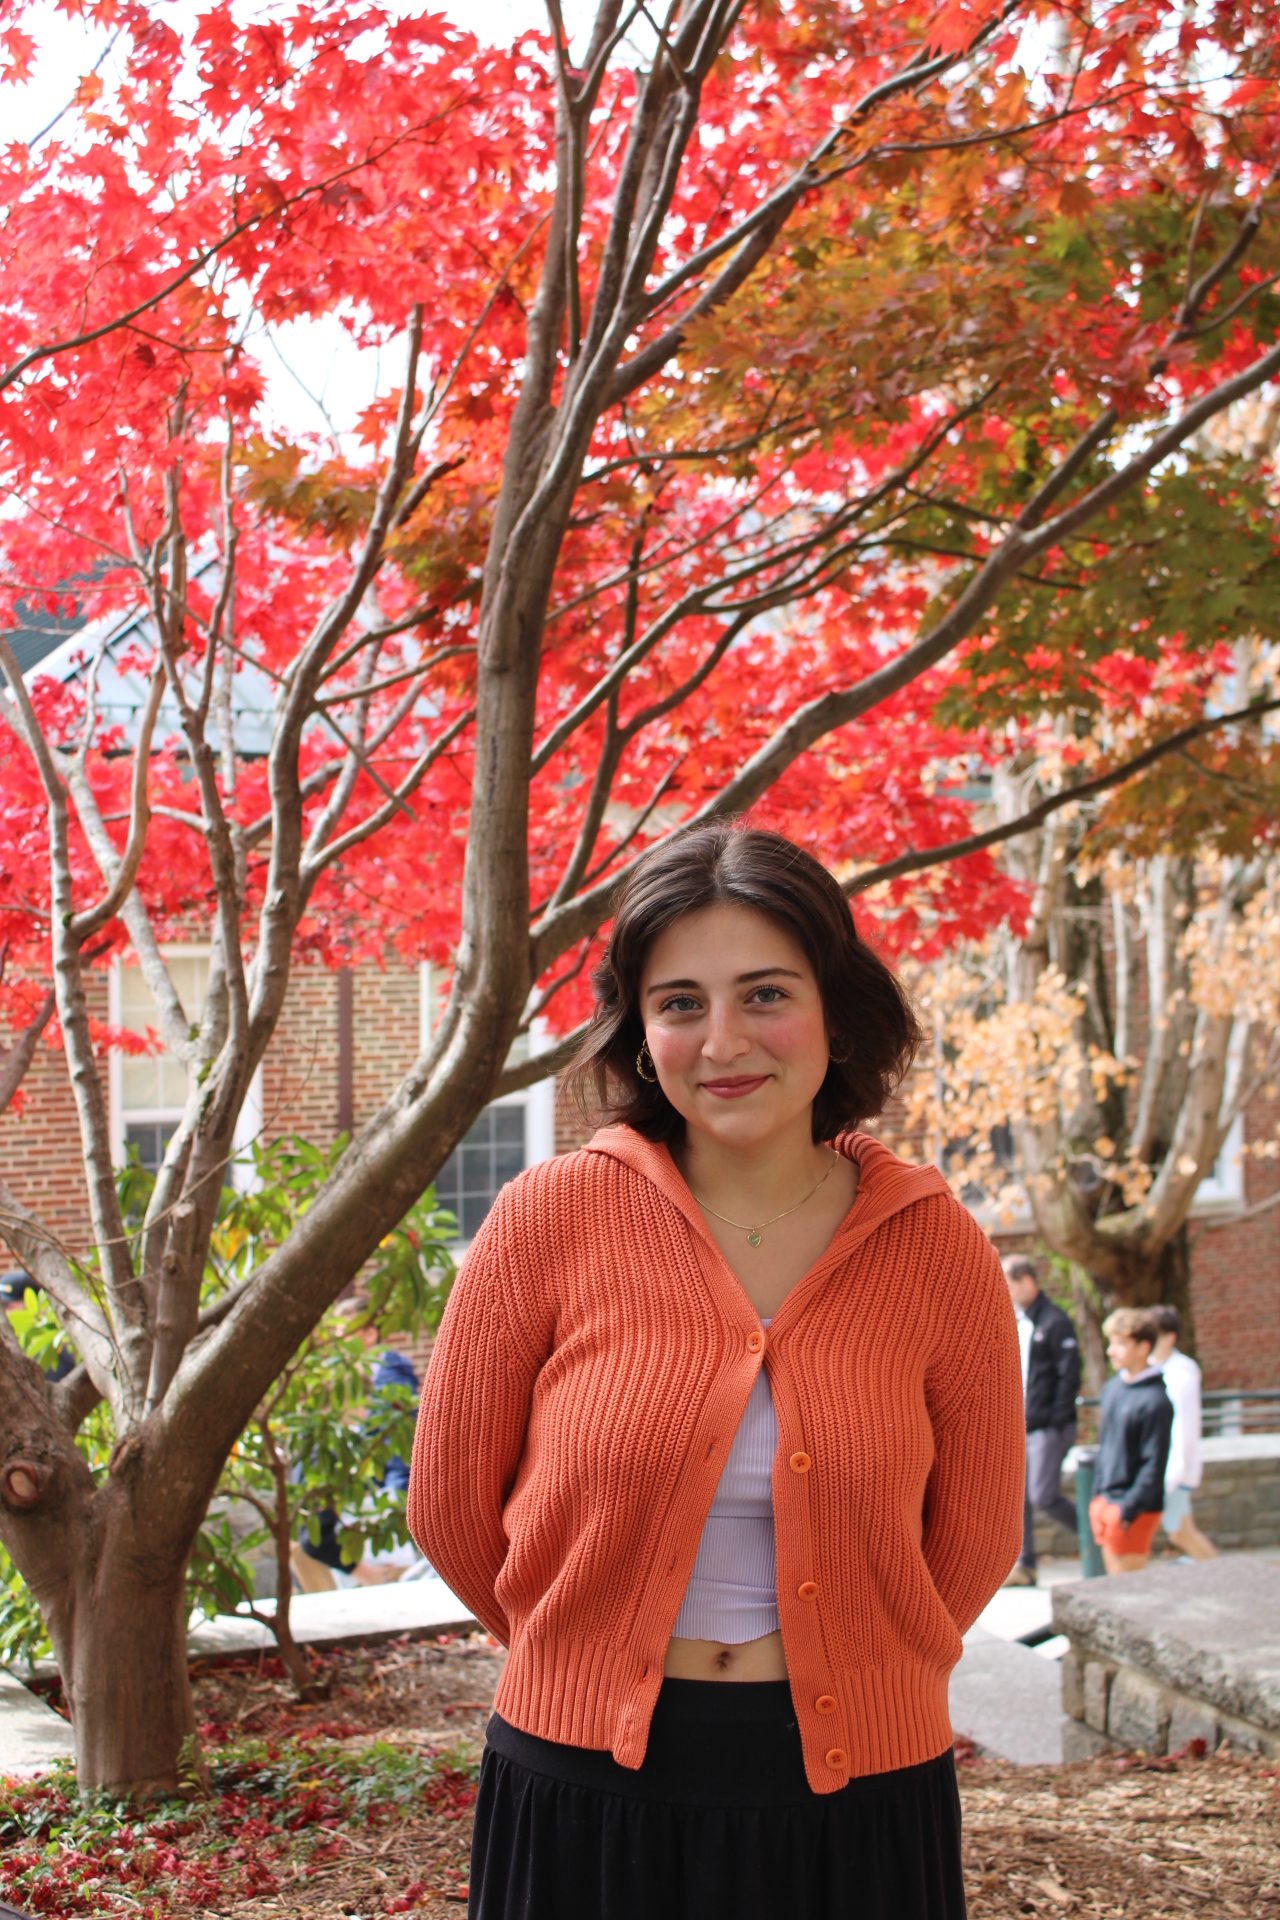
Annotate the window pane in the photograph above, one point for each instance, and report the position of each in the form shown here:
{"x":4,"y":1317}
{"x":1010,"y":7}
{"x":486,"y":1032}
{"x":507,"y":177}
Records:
{"x":150,"y":1138}
{"x":139,"y":1081}
{"x":151,"y":1082}
{"x":491,"y":1152}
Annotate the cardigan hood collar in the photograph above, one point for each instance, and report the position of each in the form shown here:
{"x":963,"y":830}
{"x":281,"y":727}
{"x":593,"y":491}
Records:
{"x":886,"y":1184}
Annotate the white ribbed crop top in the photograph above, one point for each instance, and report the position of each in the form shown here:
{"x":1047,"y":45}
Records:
{"x":732,"y":1593}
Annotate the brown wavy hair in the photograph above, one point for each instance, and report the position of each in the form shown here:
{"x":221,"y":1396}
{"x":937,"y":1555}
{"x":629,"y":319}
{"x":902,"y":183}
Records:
{"x":872,"y":1030}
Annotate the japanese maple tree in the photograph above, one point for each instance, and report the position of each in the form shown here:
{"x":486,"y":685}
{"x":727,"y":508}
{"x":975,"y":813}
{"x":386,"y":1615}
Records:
{"x":758,"y":365}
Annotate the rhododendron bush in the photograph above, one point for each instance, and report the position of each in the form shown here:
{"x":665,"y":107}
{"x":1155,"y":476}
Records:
{"x":795,"y":410}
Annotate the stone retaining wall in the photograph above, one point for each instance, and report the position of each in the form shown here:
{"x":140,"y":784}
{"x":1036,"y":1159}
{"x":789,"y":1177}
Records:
{"x":1237,"y":1504}
{"x":1173,"y":1654}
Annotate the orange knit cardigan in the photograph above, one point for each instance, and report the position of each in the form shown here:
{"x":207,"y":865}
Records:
{"x":590,"y":1371}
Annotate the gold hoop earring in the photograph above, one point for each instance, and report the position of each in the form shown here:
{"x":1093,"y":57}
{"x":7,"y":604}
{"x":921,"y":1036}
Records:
{"x":839,"y":1059}
{"x":644,"y":1054}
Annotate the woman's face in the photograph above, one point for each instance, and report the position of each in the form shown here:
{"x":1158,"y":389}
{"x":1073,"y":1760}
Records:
{"x":735,"y":1025}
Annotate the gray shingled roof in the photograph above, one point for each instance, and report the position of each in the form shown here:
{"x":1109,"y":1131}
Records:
{"x":38,"y":633}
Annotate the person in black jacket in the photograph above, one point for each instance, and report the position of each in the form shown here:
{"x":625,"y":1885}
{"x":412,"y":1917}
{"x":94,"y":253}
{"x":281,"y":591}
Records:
{"x":1135,"y":1420}
{"x":1050,"y":1381}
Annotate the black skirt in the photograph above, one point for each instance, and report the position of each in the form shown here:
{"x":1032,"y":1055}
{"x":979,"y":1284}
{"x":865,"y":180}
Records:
{"x":719,"y":1823}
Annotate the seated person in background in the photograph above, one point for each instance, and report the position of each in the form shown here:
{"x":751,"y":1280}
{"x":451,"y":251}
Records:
{"x":1135,"y":1419}
{"x":318,"y":1564}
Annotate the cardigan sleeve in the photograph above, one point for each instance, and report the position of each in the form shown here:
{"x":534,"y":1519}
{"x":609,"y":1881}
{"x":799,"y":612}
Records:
{"x":473,"y":1417}
{"x":973,"y":1504}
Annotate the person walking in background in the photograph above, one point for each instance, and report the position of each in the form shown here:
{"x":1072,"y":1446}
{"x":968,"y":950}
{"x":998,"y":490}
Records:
{"x":1182,"y":1475}
{"x":1050,"y":1383}
{"x":1135,"y":1419}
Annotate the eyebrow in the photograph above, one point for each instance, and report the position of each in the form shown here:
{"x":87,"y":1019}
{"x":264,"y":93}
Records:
{"x":742,"y":979}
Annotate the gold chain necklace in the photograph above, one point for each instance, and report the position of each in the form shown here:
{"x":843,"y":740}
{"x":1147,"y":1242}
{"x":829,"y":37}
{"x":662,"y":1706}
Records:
{"x":753,"y":1233}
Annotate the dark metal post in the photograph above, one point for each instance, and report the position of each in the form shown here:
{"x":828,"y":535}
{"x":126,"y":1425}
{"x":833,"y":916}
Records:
{"x":1091,"y":1565}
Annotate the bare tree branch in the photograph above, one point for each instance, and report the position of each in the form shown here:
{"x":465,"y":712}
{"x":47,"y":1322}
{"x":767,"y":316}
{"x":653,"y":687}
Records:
{"x":16,"y":1058}
{"x":120,"y":883}
{"x":326,"y":856}
{"x":790,"y":553}
{"x":749,"y":241}
{"x":917,"y":862}
{"x":527,"y":1073}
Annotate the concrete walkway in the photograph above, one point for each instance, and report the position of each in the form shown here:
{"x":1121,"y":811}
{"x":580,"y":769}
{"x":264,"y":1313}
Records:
{"x":1004,"y":1696}
{"x":358,"y":1616}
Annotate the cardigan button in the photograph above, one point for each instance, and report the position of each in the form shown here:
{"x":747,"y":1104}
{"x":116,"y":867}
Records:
{"x":800,"y":1463}
{"x":838,"y":1759}
{"x":755,"y":1341}
{"x":825,"y":1703}
{"x":808,"y":1589}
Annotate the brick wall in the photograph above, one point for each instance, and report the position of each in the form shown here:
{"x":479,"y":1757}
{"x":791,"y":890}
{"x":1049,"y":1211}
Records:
{"x":387,"y":1031}
{"x":40,"y":1149}
{"x":300,"y":1070}
{"x":40,"y":1144}
{"x":1235,"y":1266}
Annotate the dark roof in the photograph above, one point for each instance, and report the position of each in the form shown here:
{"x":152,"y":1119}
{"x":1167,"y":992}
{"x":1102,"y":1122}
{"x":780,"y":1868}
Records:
{"x":38,"y":633}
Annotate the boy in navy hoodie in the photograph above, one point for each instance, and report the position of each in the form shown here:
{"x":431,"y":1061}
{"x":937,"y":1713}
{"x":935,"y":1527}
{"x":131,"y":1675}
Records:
{"x":1135,"y":1420}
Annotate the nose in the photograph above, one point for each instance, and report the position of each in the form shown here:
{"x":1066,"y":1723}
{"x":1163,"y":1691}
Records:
{"x":725,"y":1041}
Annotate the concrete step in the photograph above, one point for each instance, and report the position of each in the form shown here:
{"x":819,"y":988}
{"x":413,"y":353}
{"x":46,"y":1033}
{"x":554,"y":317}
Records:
{"x":1007,"y":1700}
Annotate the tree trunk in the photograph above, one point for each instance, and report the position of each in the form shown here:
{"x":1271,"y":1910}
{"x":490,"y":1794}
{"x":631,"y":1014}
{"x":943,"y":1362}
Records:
{"x":1150,"y":1276}
{"x":119,"y":1632}
{"x":1084,"y":1311}
{"x":1174,"y":1272}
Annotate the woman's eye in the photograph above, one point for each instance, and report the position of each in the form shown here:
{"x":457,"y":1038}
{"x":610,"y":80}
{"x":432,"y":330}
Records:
{"x":770,"y":995}
{"x":679,"y":1003}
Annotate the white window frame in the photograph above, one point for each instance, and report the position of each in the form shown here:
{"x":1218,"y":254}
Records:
{"x":249,"y":1123}
{"x":538,"y":1101}
{"x":1222,"y":1189}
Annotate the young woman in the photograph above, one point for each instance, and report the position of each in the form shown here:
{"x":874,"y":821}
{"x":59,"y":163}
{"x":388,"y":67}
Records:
{"x":722,"y":1437}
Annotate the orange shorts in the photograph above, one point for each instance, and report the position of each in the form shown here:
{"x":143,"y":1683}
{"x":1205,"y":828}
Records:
{"x":1110,"y":1531}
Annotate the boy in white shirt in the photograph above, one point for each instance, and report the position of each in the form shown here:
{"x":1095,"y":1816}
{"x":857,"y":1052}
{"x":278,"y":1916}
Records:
{"x":1182,"y":1476}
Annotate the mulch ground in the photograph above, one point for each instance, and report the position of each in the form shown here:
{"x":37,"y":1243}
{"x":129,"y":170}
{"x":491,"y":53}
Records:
{"x":1196,"y":1837}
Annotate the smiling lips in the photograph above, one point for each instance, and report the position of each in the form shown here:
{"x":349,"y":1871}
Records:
{"x":734,"y":1089}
